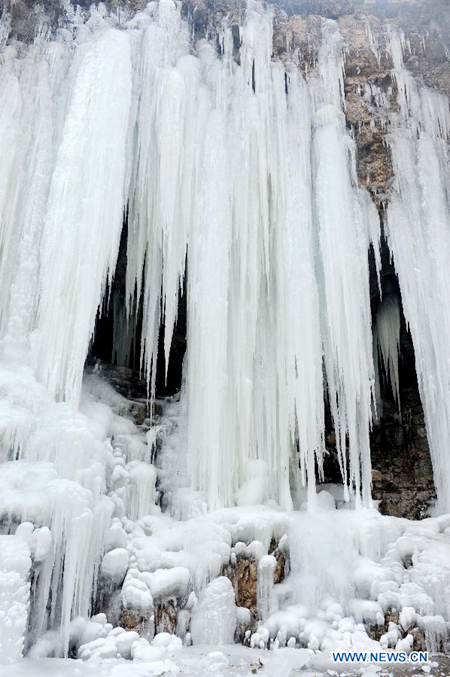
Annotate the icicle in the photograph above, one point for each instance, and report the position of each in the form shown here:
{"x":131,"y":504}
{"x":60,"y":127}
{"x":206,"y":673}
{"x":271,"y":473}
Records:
{"x":418,"y":228}
{"x":15,"y":564}
{"x":124,"y":333}
{"x":86,"y":203}
{"x":265,"y":593}
{"x":24,"y":185}
{"x":163,"y":184}
{"x":208,"y":322}
{"x":343,"y":217}
{"x":299,"y":290}
{"x":388,"y":342}
{"x":214,"y":617}
{"x":141,"y":490}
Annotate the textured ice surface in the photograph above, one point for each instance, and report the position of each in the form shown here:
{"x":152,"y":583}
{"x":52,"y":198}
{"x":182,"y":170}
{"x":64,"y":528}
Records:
{"x":214,"y":617}
{"x":15,"y":563}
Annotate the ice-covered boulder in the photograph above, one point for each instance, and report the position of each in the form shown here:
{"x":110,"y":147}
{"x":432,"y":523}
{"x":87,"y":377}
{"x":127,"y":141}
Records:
{"x":214,"y":617}
{"x":15,"y":564}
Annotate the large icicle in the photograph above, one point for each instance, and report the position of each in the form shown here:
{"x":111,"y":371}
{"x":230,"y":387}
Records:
{"x":387,"y":340}
{"x":164,"y":183}
{"x":418,"y":228}
{"x":32,"y":137}
{"x":208,"y":321}
{"x":86,"y":204}
{"x":346,"y":219}
{"x":298,"y":321}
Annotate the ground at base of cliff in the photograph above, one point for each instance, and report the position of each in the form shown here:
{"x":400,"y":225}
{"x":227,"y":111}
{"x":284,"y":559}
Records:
{"x":229,"y":661}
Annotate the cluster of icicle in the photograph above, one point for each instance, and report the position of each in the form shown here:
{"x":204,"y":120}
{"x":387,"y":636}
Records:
{"x":244,"y":171}
{"x":419,"y":238}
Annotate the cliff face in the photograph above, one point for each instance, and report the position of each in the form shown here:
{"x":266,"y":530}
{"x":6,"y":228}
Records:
{"x":403,"y":481}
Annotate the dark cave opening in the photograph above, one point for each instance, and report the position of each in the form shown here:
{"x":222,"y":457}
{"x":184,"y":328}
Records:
{"x":402,"y":470}
{"x":402,"y":475}
{"x":102,"y":347}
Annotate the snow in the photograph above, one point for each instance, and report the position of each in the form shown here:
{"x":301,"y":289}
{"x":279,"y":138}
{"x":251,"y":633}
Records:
{"x":115,"y":564}
{"x":227,"y":660}
{"x":201,"y":662}
{"x":170,"y":583}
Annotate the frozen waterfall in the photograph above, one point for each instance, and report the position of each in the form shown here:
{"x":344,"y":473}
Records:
{"x":419,"y":237}
{"x":231,"y":168}
{"x":237,"y":177}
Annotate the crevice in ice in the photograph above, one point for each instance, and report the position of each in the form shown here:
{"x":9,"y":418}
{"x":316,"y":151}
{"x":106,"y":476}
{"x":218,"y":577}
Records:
{"x":116,"y":338}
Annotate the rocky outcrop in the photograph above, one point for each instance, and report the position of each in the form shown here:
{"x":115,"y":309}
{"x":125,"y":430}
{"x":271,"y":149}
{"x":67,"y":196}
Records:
{"x":243,"y":575}
{"x":403,"y":475}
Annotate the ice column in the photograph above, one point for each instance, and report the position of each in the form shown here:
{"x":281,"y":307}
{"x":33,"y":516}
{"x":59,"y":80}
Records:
{"x":265,"y":592}
{"x":346,"y":222}
{"x":85,"y":207}
{"x":387,"y":336}
{"x":214,"y":617}
{"x":418,"y":228}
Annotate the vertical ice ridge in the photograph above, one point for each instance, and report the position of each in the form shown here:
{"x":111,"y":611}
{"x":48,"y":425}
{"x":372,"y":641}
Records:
{"x":418,"y":228}
{"x":347,"y":222}
{"x":86,"y":199}
{"x":388,"y":342}
{"x":163,"y":179}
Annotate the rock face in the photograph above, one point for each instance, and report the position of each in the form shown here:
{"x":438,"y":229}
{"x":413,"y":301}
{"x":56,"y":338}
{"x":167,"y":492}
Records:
{"x":244,"y":578}
{"x":403,"y":475}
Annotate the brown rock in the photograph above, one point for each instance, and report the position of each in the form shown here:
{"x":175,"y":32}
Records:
{"x":166,"y":616}
{"x":418,"y":643}
{"x":130,"y":620}
{"x":244,"y":577}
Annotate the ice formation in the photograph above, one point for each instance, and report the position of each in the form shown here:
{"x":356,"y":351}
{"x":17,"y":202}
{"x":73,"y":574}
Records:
{"x":387,"y":342}
{"x":238,"y":183}
{"x":160,"y":126}
{"x":419,"y":238}
{"x":214,"y":617}
{"x":15,"y":564}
